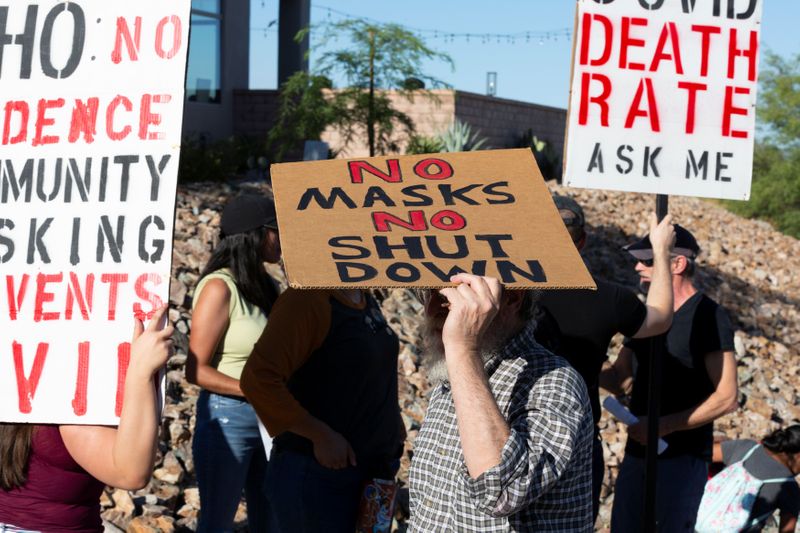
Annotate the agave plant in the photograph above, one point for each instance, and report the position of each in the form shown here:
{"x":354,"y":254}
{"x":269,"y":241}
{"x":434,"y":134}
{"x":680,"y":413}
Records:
{"x":421,"y":144}
{"x":459,"y":137}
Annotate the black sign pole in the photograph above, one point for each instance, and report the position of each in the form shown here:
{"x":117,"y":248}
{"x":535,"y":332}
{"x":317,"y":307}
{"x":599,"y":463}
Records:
{"x":653,"y":408}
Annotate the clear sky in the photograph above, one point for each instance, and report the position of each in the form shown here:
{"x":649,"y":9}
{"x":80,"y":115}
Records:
{"x":533,"y":67}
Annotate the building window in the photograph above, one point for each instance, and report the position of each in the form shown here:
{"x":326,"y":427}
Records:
{"x":203,"y":77}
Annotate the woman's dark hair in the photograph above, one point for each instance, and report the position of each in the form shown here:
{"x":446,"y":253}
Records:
{"x":15,"y":449}
{"x":783,"y":440}
{"x":241,"y":253}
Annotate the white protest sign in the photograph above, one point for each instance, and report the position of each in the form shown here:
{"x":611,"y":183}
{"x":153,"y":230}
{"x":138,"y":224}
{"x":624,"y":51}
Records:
{"x":663,"y":96}
{"x":90,"y":132}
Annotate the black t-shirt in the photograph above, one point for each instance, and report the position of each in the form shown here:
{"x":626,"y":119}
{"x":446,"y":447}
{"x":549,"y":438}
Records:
{"x":699,"y":327}
{"x":350,"y":383}
{"x":578,"y":325}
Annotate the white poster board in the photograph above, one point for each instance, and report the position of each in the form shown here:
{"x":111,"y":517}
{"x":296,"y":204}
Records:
{"x":90,"y":129}
{"x":663,"y":96}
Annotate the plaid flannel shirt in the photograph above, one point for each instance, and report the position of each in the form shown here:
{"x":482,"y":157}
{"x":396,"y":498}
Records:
{"x":543,"y":481}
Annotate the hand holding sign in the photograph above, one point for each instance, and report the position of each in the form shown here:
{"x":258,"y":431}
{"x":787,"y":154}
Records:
{"x":636,"y":425}
{"x":662,"y":234}
{"x":151,"y":347}
{"x":474,"y":303}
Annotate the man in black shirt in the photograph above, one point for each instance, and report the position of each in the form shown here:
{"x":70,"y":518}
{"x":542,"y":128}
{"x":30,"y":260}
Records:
{"x":698,"y":385}
{"x":579,"y":324}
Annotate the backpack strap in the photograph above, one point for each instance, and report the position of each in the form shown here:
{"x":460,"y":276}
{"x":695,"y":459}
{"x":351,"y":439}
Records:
{"x":749,"y":453}
{"x":778,"y":480}
{"x":758,"y":520}
{"x":773,"y":480}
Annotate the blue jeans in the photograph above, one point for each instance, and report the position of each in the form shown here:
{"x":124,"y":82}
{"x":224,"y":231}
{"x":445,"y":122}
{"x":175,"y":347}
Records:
{"x":679,"y":489}
{"x":228,"y":458}
{"x":306,"y":497}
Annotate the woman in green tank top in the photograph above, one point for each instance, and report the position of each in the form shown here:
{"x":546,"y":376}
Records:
{"x":231,"y":304}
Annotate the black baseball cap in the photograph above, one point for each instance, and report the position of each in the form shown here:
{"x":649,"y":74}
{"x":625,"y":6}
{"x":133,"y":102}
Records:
{"x":569,"y":204}
{"x":248,"y":212}
{"x":685,"y":244}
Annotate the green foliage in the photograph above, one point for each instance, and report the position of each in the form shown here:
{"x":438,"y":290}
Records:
{"x":459,"y":137}
{"x":547,"y":158}
{"x":775,"y":194}
{"x":387,"y":54}
{"x":355,"y":114}
{"x":304,"y":114}
{"x":422,"y":144}
{"x":779,"y":106}
{"x":221,"y":160}
{"x":376,"y":57}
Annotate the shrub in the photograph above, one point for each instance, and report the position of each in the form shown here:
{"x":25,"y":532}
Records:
{"x":459,"y":137}
{"x":222,"y":160}
{"x":422,"y":144}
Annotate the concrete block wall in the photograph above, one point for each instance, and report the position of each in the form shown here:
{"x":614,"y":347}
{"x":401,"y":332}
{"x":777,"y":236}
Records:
{"x":502,"y":121}
{"x":431,"y":112}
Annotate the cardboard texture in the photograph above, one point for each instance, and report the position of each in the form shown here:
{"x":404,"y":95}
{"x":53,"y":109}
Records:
{"x":91,"y":112}
{"x":413,"y":221}
{"x":662,"y":99}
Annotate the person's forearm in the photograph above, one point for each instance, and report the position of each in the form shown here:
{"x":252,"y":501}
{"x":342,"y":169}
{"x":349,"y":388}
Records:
{"x":617,"y":377}
{"x":609,"y":380}
{"x":717,"y":404}
{"x":659,"y":296}
{"x":716,"y":453}
{"x":213,"y":380}
{"x":310,"y":427}
{"x":481,"y":425}
{"x":788,"y":523}
{"x":135,"y":442}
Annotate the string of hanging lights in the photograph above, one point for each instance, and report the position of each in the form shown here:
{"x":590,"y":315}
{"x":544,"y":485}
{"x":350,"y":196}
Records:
{"x":485,"y":38}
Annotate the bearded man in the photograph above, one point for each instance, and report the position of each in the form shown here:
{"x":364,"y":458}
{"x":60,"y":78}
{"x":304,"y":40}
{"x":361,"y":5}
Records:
{"x":507,"y":439}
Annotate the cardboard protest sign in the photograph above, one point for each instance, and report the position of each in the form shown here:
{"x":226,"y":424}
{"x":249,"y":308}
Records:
{"x":91,"y":112}
{"x":414,"y":221}
{"x":663,"y":96}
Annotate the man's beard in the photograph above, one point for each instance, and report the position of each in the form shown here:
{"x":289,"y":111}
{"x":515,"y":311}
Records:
{"x":433,"y":358}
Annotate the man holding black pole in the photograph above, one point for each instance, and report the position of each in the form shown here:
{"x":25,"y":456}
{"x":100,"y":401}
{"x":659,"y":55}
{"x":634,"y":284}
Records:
{"x":698,"y":385}
{"x":578,"y":325}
